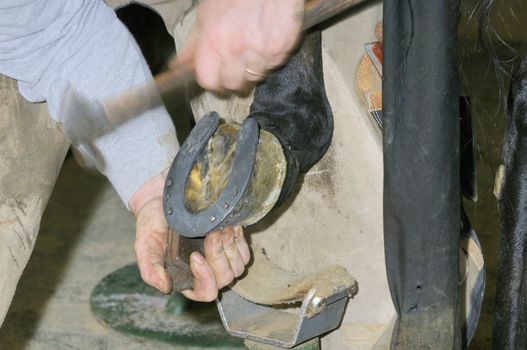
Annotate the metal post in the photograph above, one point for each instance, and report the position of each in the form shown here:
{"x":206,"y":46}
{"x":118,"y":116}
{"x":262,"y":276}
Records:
{"x":421,"y":171}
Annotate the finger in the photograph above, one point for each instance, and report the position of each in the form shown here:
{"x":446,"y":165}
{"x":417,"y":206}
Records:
{"x":256,"y":67}
{"x":204,"y":281}
{"x":233,"y":73}
{"x":208,"y":67}
{"x":277,"y":55}
{"x":241,"y":244}
{"x":218,"y":260}
{"x":233,"y":63}
{"x":150,"y":257}
{"x":231,"y":250}
{"x":283,"y":37}
{"x":188,"y":53}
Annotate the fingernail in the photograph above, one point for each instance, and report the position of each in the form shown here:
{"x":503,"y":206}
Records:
{"x":237,"y":232}
{"x":198,"y":258}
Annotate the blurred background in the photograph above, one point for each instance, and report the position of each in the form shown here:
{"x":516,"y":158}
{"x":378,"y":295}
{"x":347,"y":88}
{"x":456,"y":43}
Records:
{"x":86,"y":232}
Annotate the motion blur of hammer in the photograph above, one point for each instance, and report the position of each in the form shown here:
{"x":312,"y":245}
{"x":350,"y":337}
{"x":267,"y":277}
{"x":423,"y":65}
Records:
{"x":86,"y":120}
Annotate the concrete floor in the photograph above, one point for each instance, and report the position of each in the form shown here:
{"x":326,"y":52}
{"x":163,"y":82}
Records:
{"x":86,"y":233}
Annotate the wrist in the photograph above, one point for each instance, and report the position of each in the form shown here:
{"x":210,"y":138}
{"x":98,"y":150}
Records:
{"x":150,"y":190}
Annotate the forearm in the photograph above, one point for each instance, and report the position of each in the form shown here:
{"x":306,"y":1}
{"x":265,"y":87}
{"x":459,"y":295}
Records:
{"x":47,"y":46}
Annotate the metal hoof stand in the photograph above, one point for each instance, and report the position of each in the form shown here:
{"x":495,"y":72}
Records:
{"x":125,"y":303}
{"x":281,"y":329}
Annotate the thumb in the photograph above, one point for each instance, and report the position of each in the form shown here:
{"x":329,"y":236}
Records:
{"x":187,"y":53}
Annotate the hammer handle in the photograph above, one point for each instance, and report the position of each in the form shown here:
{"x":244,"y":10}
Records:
{"x":177,"y":260}
{"x":317,"y":11}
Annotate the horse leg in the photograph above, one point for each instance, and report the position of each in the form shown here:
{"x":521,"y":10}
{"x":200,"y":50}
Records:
{"x":510,"y":316}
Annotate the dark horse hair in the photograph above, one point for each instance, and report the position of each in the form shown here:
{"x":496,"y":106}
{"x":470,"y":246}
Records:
{"x":510,"y":314}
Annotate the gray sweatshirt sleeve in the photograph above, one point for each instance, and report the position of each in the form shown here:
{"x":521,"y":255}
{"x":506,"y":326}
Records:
{"x":48,"y":45}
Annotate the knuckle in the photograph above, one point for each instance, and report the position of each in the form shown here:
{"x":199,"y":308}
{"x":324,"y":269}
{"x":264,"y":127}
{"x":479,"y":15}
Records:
{"x":236,"y":47}
{"x":277,"y":60}
{"x":217,"y":252}
{"x":232,"y":84}
{"x":205,"y":80}
{"x":211,"y":241}
{"x":239,"y":237}
{"x":226,"y":277}
{"x":207,"y":70}
{"x":227,"y":239}
{"x":276,"y":47}
{"x":231,"y":250}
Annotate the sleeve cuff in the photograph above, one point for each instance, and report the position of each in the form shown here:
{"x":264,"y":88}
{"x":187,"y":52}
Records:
{"x":137,"y":151}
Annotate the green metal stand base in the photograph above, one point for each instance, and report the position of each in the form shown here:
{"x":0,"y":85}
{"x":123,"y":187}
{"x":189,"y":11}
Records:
{"x":313,"y":344}
{"x":124,"y":302}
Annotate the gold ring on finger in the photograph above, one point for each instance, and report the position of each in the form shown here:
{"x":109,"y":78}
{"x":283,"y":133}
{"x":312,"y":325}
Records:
{"x":256,"y":74}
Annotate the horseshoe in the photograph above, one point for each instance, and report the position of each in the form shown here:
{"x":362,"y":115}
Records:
{"x":229,"y":208}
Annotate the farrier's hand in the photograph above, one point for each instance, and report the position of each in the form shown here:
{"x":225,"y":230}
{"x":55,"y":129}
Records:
{"x":226,"y":252}
{"x":234,"y":42}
